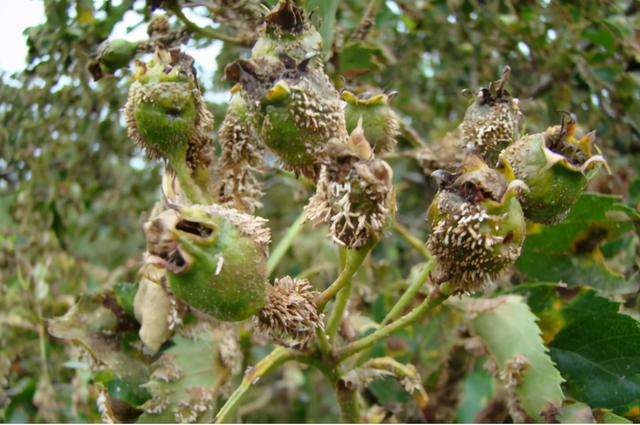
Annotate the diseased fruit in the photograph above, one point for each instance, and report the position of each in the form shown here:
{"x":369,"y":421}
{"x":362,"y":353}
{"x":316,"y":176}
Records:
{"x":166,"y":114}
{"x":111,"y":56}
{"x":288,"y":31}
{"x":477,"y":225}
{"x":290,"y":314}
{"x":492,"y":122}
{"x":215,"y":258}
{"x":296,"y":110}
{"x":353,"y":193}
{"x":241,"y":157}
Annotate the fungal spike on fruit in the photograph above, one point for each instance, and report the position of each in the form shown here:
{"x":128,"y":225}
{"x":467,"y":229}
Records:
{"x":241,"y":159}
{"x":353,"y":195}
{"x":477,"y":227}
{"x":290,"y":315}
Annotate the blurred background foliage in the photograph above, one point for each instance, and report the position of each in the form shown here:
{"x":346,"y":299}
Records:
{"x":73,"y":188}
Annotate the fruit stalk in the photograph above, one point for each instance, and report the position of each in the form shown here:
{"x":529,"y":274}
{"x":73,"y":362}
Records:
{"x":427,"y":305}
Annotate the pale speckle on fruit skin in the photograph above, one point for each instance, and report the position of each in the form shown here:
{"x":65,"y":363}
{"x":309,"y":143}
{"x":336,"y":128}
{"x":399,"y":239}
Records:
{"x":473,"y":245}
{"x":354,"y":199}
{"x":236,"y":183}
{"x":489,"y":128}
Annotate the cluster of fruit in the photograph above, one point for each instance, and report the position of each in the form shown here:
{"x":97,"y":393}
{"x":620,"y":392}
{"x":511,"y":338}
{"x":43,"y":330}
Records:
{"x":478,"y":217}
{"x":205,"y":248}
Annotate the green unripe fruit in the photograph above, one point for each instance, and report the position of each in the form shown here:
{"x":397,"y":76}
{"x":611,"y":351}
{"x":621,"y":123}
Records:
{"x":477,"y":227}
{"x":116,"y":54}
{"x":111,"y":56}
{"x":300,"y":119}
{"x":555,"y":166}
{"x":379,"y":122}
{"x":166,"y":115}
{"x":161,"y":113}
{"x":215,"y":258}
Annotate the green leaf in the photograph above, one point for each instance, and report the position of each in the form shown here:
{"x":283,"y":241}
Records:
{"x":598,"y":352}
{"x":570,"y":251}
{"x":326,"y":12}
{"x":508,"y":329}
{"x":95,"y":324}
{"x":434,"y":340}
{"x":187,"y":377}
{"x":605,"y":416}
{"x":359,"y":58}
{"x":478,"y":387}
{"x":98,"y":324}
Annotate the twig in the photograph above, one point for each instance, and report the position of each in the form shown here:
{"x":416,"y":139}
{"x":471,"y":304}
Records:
{"x":348,"y":402}
{"x":411,"y":240}
{"x":410,"y":293}
{"x":277,"y":357}
{"x":187,"y":184}
{"x":338,"y":311}
{"x":354,"y":260}
{"x":206,"y":32}
{"x":284,"y":244}
{"x":367,"y":21}
{"x":408,"y":296}
{"x":323,"y":343}
{"x":433,"y":301}
{"x":341,"y":301}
